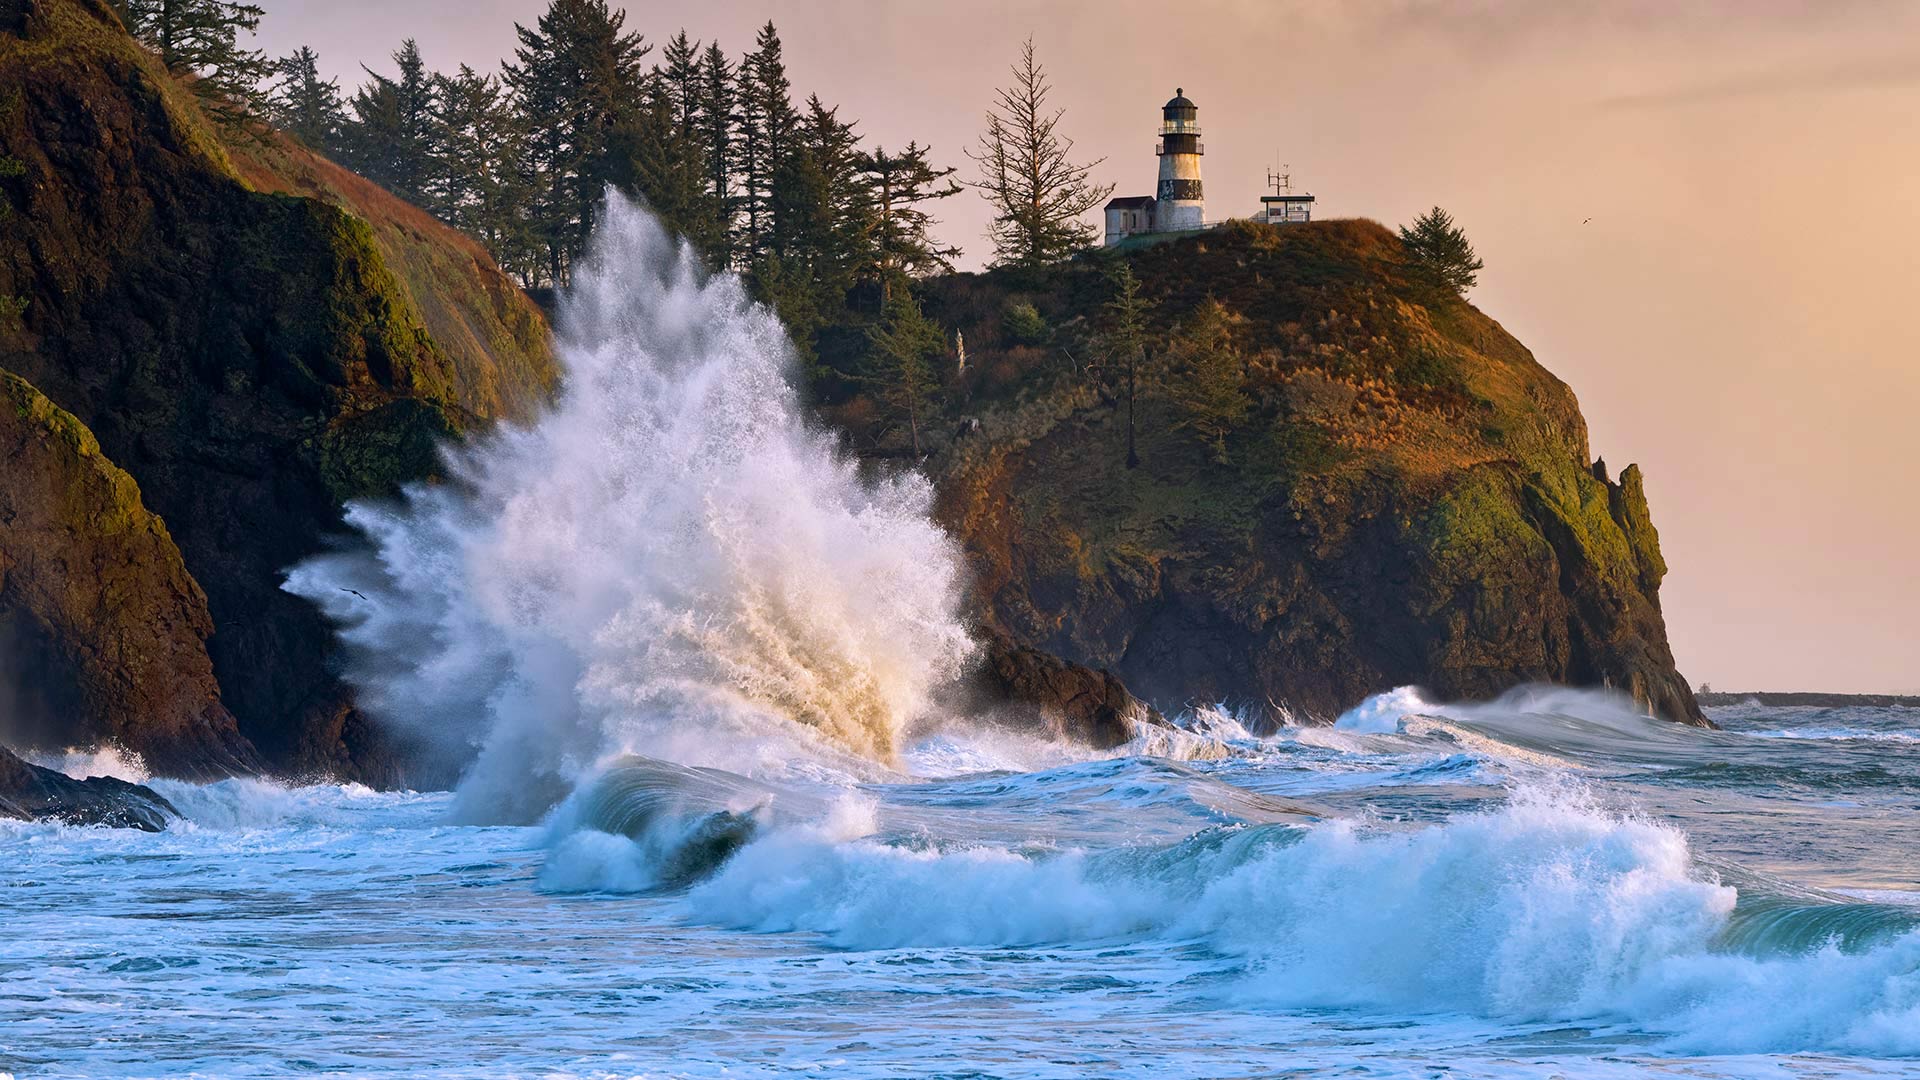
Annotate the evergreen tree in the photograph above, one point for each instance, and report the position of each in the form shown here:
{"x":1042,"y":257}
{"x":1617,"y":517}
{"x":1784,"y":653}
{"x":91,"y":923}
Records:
{"x":899,"y":239}
{"x":787,"y":286}
{"x":1038,"y":194}
{"x":576,"y":77}
{"x":819,"y":204}
{"x":201,"y":38}
{"x":681,"y":78}
{"x":1125,"y":347}
{"x":1207,"y":373}
{"x":306,"y":106}
{"x":1439,"y":253}
{"x":903,"y":342}
{"x":715,"y":125}
{"x":666,"y":170}
{"x":767,"y":120}
{"x":478,"y":186}
{"x":391,"y":138}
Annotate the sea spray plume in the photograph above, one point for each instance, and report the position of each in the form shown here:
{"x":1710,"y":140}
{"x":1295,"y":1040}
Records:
{"x":668,"y":562}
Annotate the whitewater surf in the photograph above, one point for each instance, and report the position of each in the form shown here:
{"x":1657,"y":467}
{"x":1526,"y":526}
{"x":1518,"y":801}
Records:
{"x":714,"y":822}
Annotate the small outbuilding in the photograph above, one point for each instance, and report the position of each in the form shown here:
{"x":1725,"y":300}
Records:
{"x":1128,"y":215}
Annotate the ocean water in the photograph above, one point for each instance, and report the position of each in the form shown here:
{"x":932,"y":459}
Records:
{"x":719,"y":816}
{"x":1543,"y":886}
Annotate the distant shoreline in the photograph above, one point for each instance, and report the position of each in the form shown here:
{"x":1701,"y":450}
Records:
{"x":1872,"y":701}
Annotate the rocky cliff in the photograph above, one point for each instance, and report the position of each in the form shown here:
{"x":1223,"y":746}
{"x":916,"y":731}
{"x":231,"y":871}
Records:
{"x":105,"y":631}
{"x":251,"y":333}
{"x":1409,"y":498}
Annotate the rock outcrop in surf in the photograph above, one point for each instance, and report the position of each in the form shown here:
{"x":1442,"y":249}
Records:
{"x":29,"y":792}
{"x":1409,"y":497}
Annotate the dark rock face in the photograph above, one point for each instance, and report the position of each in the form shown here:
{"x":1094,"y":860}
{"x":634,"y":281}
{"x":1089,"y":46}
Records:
{"x":1069,"y":701}
{"x":253,"y":360}
{"x":107,"y":629}
{"x":31,"y":793}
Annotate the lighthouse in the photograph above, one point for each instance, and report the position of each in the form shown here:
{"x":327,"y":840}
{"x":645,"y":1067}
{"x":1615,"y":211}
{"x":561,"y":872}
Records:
{"x":1179,"y":206}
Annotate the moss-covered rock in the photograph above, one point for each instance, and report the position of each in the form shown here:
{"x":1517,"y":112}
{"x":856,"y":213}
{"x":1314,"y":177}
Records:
{"x":104,"y":632}
{"x":253,"y":334}
{"x":1410,"y":498}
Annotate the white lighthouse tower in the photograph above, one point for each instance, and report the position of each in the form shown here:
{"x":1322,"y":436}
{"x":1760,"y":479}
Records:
{"x":1179,"y":205}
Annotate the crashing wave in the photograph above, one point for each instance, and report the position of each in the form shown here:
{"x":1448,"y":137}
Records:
{"x":668,"y":562}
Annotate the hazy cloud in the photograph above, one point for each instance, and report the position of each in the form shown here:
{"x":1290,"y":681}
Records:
{"x":1850,"y":75}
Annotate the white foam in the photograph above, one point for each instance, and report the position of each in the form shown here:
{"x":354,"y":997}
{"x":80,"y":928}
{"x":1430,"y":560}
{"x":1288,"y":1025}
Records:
{"x":243,"y":803}
{"x":1548,"y":909}
{"x":1381,"y":714}
{"x":1839,"y":734}
{"x":669,"y":562}
{"x":107,"y":759}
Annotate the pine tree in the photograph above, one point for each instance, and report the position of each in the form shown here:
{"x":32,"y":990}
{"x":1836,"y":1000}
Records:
{"x":767,"y":120}
{"x":1038,"y":194}
{"x":1206,"y":378}
{"x":899,"y":238}
{"x":787,"y":286}
{"x":576,"y":77}
{"x":1439,"y":253}
{"x":306,"y":106}
{"x":391,"y":138}
{"x":818,"y":204}
{"x":661,"y":155}
{"x":653,"y":160}
{"x":902,"y":344}
{"x":681,"y":77}
{"x":478,"y":186}
{"x":1125,"y":347}
{"x":201,"y":38}
{"x":715,"y":124}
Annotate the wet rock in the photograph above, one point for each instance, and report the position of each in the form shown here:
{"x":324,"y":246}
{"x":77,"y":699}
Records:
{"x":31,"y":793}
{"x":1063,"y":700}
{"x":106,"y":631}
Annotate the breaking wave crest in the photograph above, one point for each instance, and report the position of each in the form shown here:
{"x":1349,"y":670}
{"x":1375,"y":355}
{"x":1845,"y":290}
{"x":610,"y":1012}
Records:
{"x":1548,"y":908}
{"x":667,"y":562}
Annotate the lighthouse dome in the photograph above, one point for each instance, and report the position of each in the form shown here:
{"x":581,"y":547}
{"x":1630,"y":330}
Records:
{"x":1179,"y":100}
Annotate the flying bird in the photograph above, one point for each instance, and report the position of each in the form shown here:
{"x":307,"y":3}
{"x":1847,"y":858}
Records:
{"x":357,"y":593}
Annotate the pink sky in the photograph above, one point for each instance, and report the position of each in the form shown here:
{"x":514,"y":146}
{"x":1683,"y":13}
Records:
{"x":1738,"y":316}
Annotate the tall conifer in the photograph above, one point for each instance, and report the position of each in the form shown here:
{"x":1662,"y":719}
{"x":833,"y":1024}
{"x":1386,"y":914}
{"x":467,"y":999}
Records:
{"x":1037,"y":191}
{"x":715,"y":123}
{"x":391,"y":138}
{"x":575,"y":79}
{"x":899,"y":232}
{"x":767,"y":121}
{"x":201,"y":38}
{"x":479,"y":186}
{"x":304,"y":105}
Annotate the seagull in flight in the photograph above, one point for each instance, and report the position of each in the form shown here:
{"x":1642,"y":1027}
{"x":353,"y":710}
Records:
{"x":357,"y":593}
